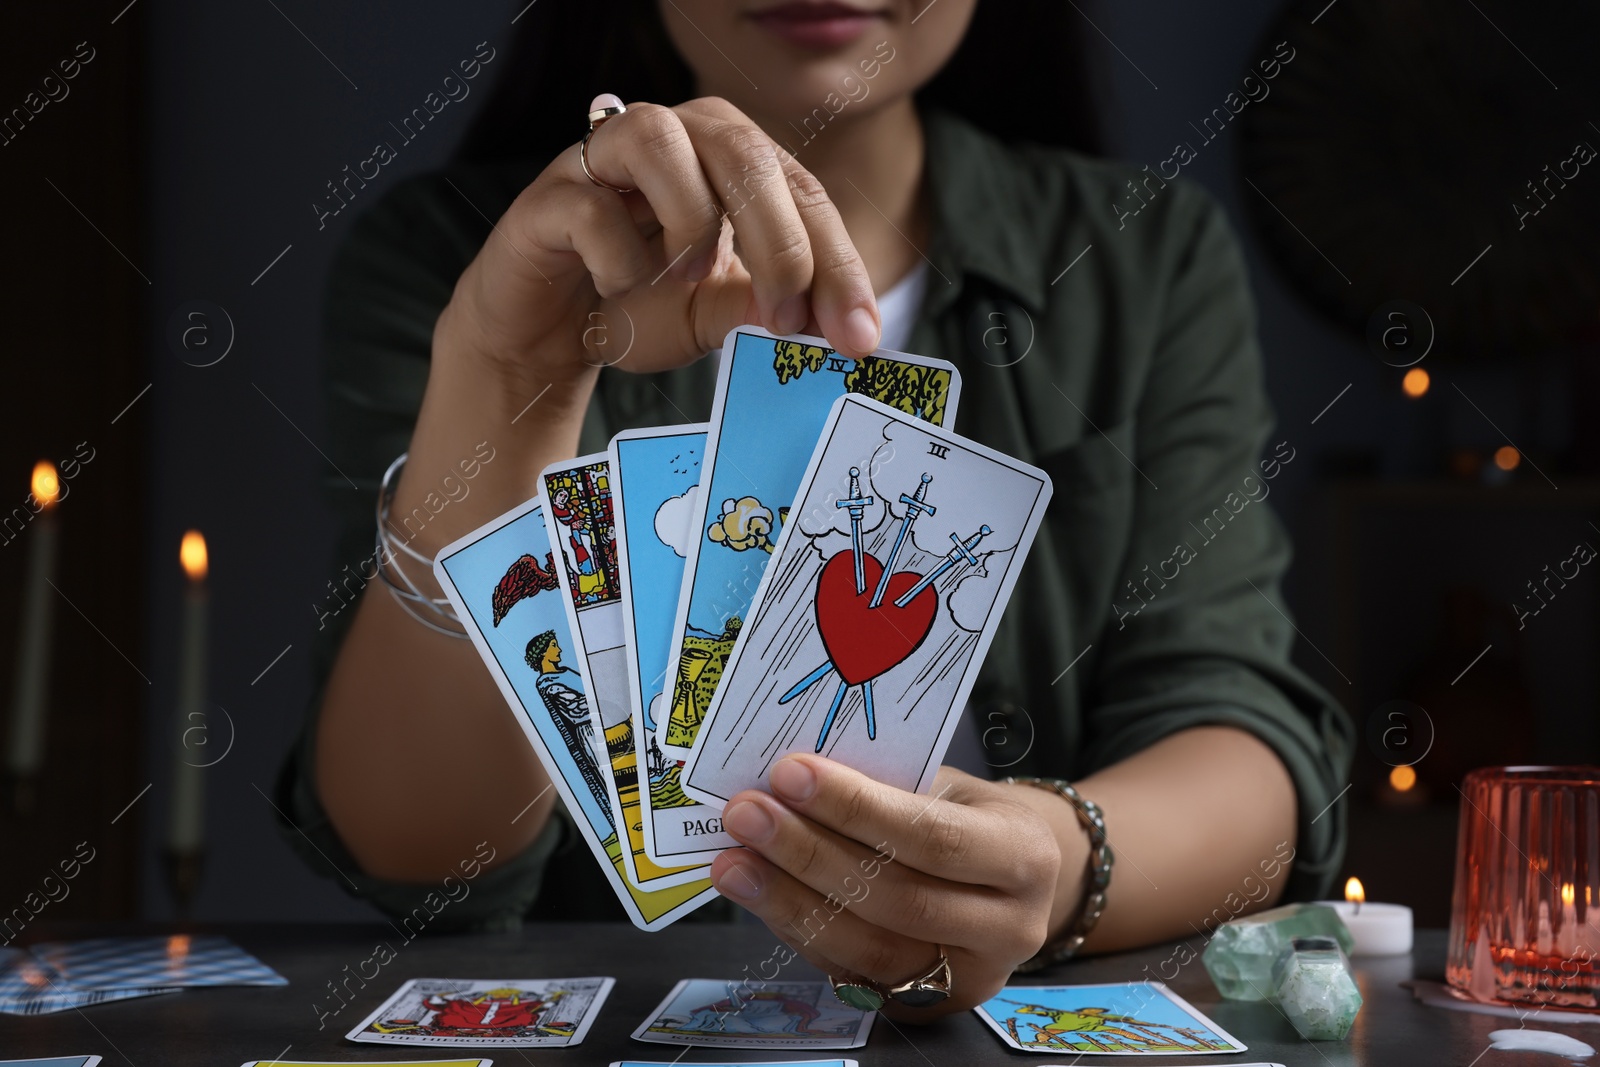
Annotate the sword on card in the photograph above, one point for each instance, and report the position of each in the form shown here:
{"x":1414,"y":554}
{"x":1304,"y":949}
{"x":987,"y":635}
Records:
{"x":858,"y":505}
{"x":961,"y":555}
{"x":915,"y":506}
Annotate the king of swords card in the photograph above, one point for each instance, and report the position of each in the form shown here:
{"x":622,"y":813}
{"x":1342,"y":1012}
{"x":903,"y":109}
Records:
{"x":875,"y":614}
{"x":655,"y":480}
{"x":581,"y":516}
{"x":772,"y":397}
{"x":502,"y":580}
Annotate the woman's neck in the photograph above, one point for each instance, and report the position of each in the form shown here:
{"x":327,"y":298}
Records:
{"x":871,"y":164}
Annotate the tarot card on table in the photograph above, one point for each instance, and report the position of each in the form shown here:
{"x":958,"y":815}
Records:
{"x":503,"y":581}
{"x":30,"y":987}
{"x":875,"y":614}
{"x":655,"y":480}
{"x":474,"y":1062}
{"x":740,"y":1063}
{"x":478,"y":1013}
{"x":772,"y":397}
{"x":1119,"y":1019}
{"x":104,"y":963}
{"x":580,"y":515}
{"x":759,"y":1015}
{"x":54,"y":1061}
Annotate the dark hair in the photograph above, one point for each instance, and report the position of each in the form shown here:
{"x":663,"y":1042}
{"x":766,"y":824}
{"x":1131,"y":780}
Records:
{"x":1021,"y":73}
{"x":537,"y":647}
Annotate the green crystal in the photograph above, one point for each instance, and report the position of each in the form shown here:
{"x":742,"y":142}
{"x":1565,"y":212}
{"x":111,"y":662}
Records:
{"x":859,"y":997}
{"x":1240,"y":955}
{"x":1314,"y":989}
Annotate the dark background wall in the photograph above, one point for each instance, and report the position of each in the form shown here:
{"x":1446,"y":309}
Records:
{"x":249,"y":111}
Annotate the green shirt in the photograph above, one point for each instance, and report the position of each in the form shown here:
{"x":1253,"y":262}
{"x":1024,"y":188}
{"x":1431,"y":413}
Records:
{"x":1115,"y":350}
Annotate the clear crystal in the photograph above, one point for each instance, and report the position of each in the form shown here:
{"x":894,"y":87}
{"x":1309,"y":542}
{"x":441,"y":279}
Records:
{"x":1240,"y":955}
{"x":1314,"y":988}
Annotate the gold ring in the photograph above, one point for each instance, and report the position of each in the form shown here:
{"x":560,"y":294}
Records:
{"x":606,"y":106}
{"x":925,"y":990}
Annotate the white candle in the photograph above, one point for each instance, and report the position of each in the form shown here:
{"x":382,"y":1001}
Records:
{"x":186,"y":811}
{"x":25,"y":750}
{"x":1378,"y":929}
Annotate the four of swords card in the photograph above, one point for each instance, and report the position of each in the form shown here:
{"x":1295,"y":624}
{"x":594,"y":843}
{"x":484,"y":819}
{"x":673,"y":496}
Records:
{"x":655,"y":479}
{"x":487,"y":1013}
{"x":580,"y":516}
{"x":873,"y":618}
{"x":502,"y":580}
{"x":772,"y":397}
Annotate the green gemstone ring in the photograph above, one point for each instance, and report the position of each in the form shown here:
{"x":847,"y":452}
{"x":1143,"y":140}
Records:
{"x":858,"y":995}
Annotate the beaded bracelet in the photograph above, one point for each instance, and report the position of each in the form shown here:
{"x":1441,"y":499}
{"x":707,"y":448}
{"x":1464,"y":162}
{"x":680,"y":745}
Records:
{"x":1100,"y":861}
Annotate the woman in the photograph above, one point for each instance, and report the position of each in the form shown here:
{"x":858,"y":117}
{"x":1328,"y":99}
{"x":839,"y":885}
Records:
{"x":780,"y":162}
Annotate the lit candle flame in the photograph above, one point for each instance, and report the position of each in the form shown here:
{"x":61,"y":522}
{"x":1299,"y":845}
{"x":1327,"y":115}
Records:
{"x":177,"y":948}
{"x":1402,"y":778}
{"x":34,"y":976}
{"x":192,"y":554}
{"x":1355,"y":893}
{"x":1569,"y":894}
{"x":1416,"y":382}
{"x":46,"y":484}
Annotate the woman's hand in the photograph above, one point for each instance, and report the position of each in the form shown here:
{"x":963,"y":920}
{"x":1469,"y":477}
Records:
{"x":722,"y":227}
{"x":865,"y":879}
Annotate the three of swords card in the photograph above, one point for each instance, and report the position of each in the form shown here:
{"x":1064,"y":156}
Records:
{"x":874,"y":615}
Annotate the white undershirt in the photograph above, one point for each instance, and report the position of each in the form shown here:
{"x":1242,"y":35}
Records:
{"x":899,"y":306}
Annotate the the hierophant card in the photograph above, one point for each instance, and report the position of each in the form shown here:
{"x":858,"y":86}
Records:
{"x":503,"y":581}
{"x":874,"y":617}
{"x":1120,"y":1019}
{"x":487,"y":1013}
{"x":655,"y":477}
{"x":772,"y":397}
{"x":54,"y":1061}
{"x":580,"y":515}
{"x":761,"y":1015}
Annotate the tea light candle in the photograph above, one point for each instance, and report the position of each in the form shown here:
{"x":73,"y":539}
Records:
{"x":1378,"y":929}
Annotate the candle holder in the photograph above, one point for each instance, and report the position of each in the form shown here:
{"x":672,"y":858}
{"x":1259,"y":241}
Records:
{"x":1524,"y":923}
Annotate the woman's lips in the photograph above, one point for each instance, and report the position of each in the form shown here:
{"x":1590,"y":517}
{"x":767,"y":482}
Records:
{"x":814,"y":25}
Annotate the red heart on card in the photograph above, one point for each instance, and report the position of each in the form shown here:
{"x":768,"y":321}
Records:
{"x":865,"y":642}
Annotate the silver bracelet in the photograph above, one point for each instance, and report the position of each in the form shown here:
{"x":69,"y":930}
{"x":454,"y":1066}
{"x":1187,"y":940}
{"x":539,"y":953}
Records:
{"x":1100,"y":861}
{"x":409,"y":593}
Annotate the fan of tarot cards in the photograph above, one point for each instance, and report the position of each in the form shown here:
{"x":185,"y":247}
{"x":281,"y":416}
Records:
{"x":821,"y":568}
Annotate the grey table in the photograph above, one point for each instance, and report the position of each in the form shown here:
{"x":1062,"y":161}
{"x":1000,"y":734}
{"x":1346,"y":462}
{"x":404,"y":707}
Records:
{"x":227,"y":1027}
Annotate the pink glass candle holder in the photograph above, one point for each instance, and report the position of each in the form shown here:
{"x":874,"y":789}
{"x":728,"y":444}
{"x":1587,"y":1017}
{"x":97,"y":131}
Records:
{"x":1525,"y":916}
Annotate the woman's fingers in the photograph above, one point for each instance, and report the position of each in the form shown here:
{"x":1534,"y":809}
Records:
{"x":742,"y":164}
{"x":777,"y":208}
{"x":842,"y":302}
{"x":648,"y":149}
{"x":870,"y":881}
{"x":705,"y":183}
{"x":995,"y":843}
{"x":822,"y":927}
